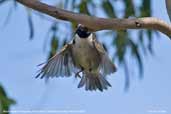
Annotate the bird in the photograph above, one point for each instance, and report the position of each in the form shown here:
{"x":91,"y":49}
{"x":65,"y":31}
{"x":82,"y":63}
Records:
{"x":83,"y":54}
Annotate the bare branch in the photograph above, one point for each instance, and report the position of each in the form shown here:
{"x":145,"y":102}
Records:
{"x":95,"y":23}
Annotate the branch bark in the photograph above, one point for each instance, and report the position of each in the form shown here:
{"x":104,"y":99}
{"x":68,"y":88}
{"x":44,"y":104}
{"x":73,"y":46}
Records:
{"x":96,"y":23}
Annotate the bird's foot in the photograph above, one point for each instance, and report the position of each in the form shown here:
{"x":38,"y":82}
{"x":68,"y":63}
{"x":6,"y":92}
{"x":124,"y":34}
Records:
{"x":78,"y":74}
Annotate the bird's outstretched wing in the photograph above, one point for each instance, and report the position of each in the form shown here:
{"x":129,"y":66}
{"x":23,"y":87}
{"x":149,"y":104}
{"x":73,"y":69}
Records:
{"x":106,"y":65}
{"x":60,"y":64}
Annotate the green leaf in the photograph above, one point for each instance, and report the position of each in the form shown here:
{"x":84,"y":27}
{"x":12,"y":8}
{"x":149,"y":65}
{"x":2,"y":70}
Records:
{"x":141,"y":41}
{"x":150,"y":42}
{"x":127,"y":76}
{"x":136,"y":54}
{"x":30,"y":23}
{"x":129,"y":9}
{"x":83,"y":7}
{"x":120,"y":42}
{"x":108,"y":8}
{"x":5,"y":101}
{"x":145,"y":8}
{"x":10,"y":11}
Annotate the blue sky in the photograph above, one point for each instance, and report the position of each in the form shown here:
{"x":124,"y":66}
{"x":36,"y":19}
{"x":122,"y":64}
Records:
{"x":19,"y":58}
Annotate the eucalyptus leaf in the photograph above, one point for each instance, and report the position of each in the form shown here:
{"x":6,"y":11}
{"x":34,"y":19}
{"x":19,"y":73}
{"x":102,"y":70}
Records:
{"x":5,"y":101}
{"x":108,"y":8}
{"x":30,"y":23}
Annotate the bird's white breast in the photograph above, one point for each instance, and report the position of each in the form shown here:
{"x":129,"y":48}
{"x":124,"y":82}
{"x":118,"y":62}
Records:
{"x":85,"y":53}
{"x":84,"y":41}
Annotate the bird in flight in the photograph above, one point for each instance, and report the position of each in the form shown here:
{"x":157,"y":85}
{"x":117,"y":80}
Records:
{"x":85,"y":55}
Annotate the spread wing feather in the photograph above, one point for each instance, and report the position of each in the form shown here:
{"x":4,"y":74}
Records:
{"x":106,"y":65}
{"x":60,"y":64}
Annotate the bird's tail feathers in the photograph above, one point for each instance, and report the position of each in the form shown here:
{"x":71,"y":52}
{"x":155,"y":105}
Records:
{"x":93,"y":81}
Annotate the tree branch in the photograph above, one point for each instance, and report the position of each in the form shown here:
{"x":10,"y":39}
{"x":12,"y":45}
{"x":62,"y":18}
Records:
{"x":95,"y":23}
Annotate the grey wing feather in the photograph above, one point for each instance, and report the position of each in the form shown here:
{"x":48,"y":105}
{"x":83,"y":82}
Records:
{"x":60,"y":64}
{"x":106,"y":65}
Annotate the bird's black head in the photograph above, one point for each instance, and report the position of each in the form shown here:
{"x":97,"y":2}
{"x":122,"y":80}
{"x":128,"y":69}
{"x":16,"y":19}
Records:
{"x":82,"y":31}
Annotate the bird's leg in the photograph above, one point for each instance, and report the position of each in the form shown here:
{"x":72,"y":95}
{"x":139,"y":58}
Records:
{"x":78,"y":74}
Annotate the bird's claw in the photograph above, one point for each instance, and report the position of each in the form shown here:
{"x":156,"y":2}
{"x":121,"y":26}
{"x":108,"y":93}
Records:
{"x":78,"y":74}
